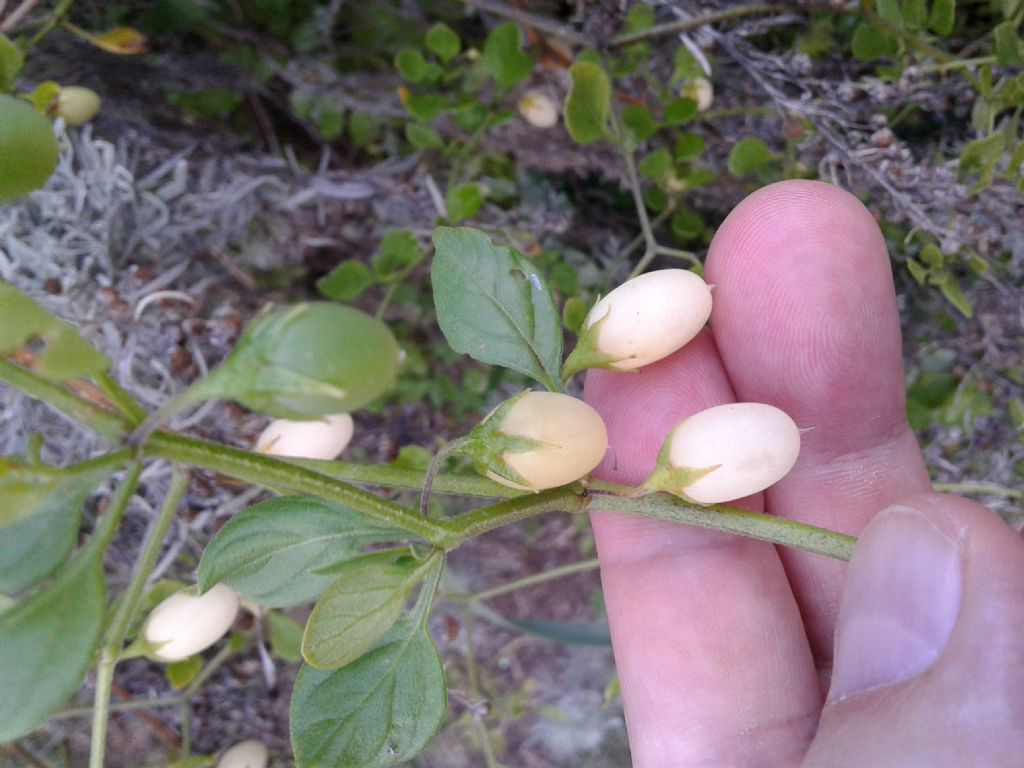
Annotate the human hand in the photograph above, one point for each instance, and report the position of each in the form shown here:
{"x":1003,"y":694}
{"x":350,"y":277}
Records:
{"x":724,"y":645}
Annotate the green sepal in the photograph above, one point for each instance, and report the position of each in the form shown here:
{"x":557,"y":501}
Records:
{"x":486,"y":445}
{"x":674,"y":480}
{"x":586,"y":354}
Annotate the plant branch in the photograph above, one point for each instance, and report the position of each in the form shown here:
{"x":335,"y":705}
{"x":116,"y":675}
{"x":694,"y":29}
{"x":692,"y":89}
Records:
{"x":471,"y":524}
{"x":685,"y":25}
{"x":525,"y":18}
{"x":99,"y":420}
{"x":528,"y":581}
{"x":111,"y":650}
{"x":718,"y":517}
{"x":268,"y":472}
{"x":119,"y":398}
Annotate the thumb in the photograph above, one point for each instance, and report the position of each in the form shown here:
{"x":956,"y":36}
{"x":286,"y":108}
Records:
{"x":929,"y":648}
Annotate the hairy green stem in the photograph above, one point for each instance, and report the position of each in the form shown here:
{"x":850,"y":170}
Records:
{"x":108,"y":654}
{"x":55,"y":18}
{"x":754,"y":525}
{"x":411,"y":479}
{"x":103,"y":422}
{"x":120,"y":398}
{"x":267,"y":472}
{"x":471,"y":524}
{"x":119,"y":706}
{"x":436,"y":463}
{"x":989,"y":489}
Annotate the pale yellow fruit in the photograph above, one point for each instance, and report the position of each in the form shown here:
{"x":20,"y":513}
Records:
{"x":700,"y":90}
{"x":185,"y":624}
{"x":77,"y":105}
{"x":322,"y":438}
{"x":573,"y":437}
{"x":245,"y":754}
{"x":538,"y":109}
{"x":650,"y":317}
{"x":753,"y":446}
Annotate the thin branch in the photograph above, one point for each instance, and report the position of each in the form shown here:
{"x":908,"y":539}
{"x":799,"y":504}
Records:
{"x":17,"y":15}
{"x":542,"y":23}
{"x":684,"y":25}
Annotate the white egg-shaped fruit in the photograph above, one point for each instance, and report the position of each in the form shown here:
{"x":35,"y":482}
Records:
{"x":322,"y":438}
{"x":701,"y":91}
{"x":650,"y":317}
{"x":573,"y":436}
{"x":185,"y":623}
{"x":77,"y":105}
{"x":245,"y":754}
{"x":754,"y":445}
{"x":538,"y":109}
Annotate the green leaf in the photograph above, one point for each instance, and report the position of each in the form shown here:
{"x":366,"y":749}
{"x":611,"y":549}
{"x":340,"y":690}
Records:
{"x":423,"y":136}
{"x":656,"y":165}
{"x":890,"y":11}
{"x":463,"y":201}
{"x":443,"y":42}
{"x":306,"y":361}
{"x":588,"y":104}
{"x":493,"y":305}
{"x":1008,"y":45}
{"x":748,"y":155}
{"x":681,"y":110}
{"x":942,"y":16}
{"x":32,"y":548}
{"x":424,"y":106}
{"x":950,"y":288}
{"x":46,"y":645}
{"x":685,"y":65}
{"x":639,"y":18}
{"x":181,"y":673}
{"x":64,"y":355}
{"x":369,"y":594}
{"x":285,"y":636}
{"x":411,"y":65}
{"x":574,"y":313}
{"x":639,"y":122}
{"x":346,"y":282}
{"x":915,"y":14}
{"x":330,"y":120}
{"x":871,"y":42}
{"x":381,"y":710}
{"x":917,"y":270}
{"x":686,"y":225}
{"x":399,"y":249}
{"x":363,"y":129}
{"x":980,"y":157}
{"x":504,"y":58}
{"x":275,"y":553}
{"x":11,"y":61}
{"x":689,"y":146}
{"x":28,"y":490}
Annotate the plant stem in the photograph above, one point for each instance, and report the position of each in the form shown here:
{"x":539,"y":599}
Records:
{"x":473,"y":678}
{"x":119,"y":398}
{"x":267,"y":472}
{"x":184,"y":399}
{"x":684,"y":25}
{"x":118,"y":706}
{"x":55,"y":18}
{"x":542,"y":23}
{"x":529,"y":581}
{"x":651,"y":244}
{"x":108,"y":655}
{"x":985,"y":489}
{"x":435,"y":466}
{"x":754,"y":525}
{"x":103,"y":422}
{"x":471,"y":524}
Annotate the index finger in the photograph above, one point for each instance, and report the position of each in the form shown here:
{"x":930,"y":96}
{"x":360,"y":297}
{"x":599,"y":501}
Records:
{"x":805,"y":318}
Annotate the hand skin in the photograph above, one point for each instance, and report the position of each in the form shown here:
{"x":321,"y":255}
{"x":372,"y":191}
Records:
{"x":732,"y":652}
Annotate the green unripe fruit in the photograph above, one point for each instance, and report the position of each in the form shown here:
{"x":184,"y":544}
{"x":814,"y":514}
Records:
{"x":28,"y":149}
{"x":307,"y":361}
